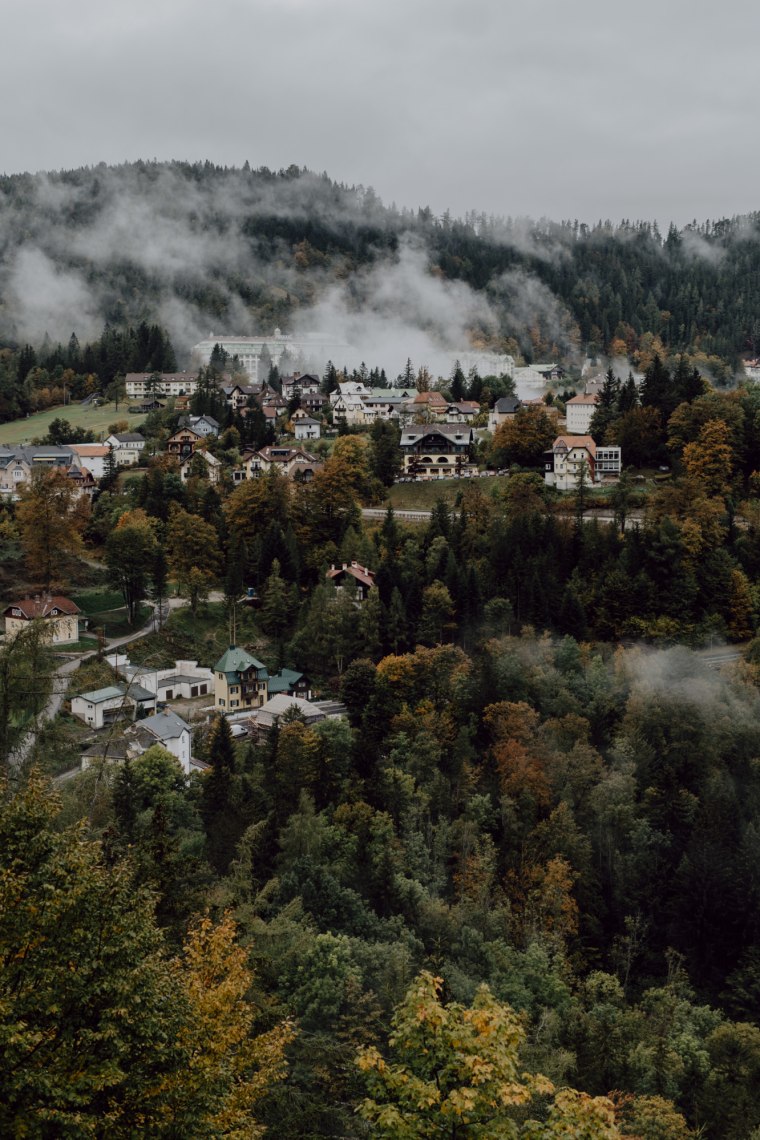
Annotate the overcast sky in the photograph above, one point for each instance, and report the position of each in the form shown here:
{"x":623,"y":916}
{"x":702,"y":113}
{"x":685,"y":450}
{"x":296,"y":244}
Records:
{"x":540,"y":107}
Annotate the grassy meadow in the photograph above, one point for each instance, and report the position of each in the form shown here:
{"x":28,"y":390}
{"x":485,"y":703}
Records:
{"x":89,"y":418}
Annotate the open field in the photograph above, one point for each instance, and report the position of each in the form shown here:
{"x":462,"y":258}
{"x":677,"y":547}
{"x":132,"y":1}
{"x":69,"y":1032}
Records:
{"x":105,"y":608}
{"x":88,"y":418}
{"x":424,"y":494}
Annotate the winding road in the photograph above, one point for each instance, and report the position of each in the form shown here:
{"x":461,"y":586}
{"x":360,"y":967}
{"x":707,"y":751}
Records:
{"x":61,"y":679}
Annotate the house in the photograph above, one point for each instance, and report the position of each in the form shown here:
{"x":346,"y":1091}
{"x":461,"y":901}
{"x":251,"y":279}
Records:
{"x":358,"y":577}
{"x":240,"y":681}
{"x":183,"y":443}
{"x":289,"y":682}
{"x":429,"y":405}
{"x":140,"y":385}
{"x":128,"y":447}
{"x":145,"y":407}
{"x":283,"y":705}
{"x":182,"y":681}
{"x":292,"y":462}
{"x":93,"y":456}
{"x":569,"y":453}
{"x":579,"y":412}
{"x":504,"y":409}
{"x":59,"y":614}
{"x":463,"y":412}
{"x":82,"y":479}
{"x":165,"y":728}
{"x":438,"y":449}
{"x":18,"y":463}
{"x":204,"y":425}
{"x":102,"y":707}
{"x":306,"y":428}
{"x":213,"y":465}
{"x":299,"y":384}
{"x":313,"y":401}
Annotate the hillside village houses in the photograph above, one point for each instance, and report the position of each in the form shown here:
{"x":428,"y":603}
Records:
{"x":249,"y":350}
{"x":353,"y":576}
{"x":18,"y":463}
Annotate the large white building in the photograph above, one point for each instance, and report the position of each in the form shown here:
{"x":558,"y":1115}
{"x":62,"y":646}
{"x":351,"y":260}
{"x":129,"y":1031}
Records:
{"x":314,"y":347}
{"x":142,"y":384}
{"x":579,"y":412}
{"x":570,"y":453}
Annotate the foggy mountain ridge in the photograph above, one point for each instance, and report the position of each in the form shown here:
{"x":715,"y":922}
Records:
{"x":197,"y":247}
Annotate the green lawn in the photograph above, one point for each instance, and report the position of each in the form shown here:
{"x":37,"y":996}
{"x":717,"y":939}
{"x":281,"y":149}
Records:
{"x":105,"y":607}
{"x":88,"y":418}
{"x":423,"y":495}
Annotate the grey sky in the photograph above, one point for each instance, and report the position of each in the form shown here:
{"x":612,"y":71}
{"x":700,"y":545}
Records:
{"x":588,"y":109}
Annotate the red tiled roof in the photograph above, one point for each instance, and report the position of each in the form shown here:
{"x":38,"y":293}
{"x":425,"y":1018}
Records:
{"x":43,"y":606}
{"x":361,"y":573}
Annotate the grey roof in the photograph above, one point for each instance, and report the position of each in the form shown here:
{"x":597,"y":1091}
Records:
{"x":52,"y":455}
{"x":107,"y":749}
{"x":165,"y":725}
{"x":507,"y":405}
{"x":129,"y":437}
{"x":111,"y":692}
{"x":98,"y":696}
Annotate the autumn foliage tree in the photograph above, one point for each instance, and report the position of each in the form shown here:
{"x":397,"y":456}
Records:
{"x":454,"y":1072}
{"x":51,"y":516}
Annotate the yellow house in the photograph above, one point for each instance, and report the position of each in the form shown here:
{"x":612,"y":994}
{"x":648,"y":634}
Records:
{"x":58,"y":613}
{"x":240,"y":681}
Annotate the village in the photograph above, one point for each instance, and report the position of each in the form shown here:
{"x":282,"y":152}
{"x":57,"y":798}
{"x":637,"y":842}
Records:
{"x":430,"y":435}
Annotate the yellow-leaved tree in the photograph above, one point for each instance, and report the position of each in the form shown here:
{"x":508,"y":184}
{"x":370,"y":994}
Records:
{"x":455,"y":1072}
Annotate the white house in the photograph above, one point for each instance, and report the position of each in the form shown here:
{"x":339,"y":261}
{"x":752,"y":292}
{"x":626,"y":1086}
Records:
{"x":183,"y":681}
{"x":570,"y":453}
{"x":166,"y":729}
{"x":579,"y":412}
{"x":142,"y":384}
{"x":128,"y":447}
{"x":104,"y":706}
{"x":306,"y":428}
{"x":93,"y":457}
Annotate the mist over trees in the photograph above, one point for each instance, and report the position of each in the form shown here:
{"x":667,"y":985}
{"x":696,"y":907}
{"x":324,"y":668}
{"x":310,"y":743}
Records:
{"x":197,"y":246}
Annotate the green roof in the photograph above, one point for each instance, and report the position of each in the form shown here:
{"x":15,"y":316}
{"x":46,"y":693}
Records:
{"x":283,"y":680}
{"x":237,"y":661}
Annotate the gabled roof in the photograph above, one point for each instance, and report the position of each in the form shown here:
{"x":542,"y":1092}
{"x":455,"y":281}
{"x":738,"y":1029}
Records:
{"x":128,"y":437}
{"x":236,"y":660}
{"x":165,"y":725}
{"x":584,"y":399}
{"x":430,"y":398}
{"x":507,"y":405}
{"x":43,"y":606}
{"x":283,"y":681}
{"x":571,"y":441}
{"x":361,"y":573}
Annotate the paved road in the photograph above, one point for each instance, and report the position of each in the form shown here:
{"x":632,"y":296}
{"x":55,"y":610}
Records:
{"x":61,"y":681}
{"x":634,"y":519}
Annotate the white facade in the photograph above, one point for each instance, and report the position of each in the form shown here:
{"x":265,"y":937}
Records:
{"x":183,"y":681}
{"x":140,"y":385}
{"x":127,"y":448}
{"x":248,"y":349}
{"x":93,"y":457}
{"x":579,"y":412}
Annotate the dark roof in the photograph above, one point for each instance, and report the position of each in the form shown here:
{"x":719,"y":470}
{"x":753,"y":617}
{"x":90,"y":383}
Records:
{"x":507,"y":405}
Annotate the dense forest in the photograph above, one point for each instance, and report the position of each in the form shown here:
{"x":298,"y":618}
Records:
{"x":202,"y":246}
{"x":513,"y":891}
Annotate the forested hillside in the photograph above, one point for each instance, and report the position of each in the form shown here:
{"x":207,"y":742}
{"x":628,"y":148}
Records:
{"x":196,"y":246}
